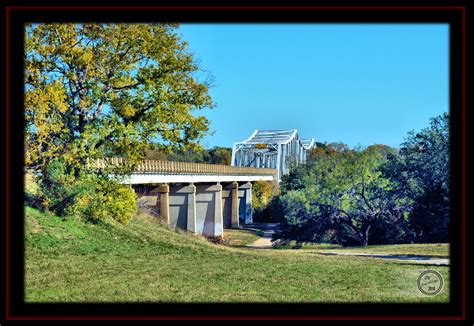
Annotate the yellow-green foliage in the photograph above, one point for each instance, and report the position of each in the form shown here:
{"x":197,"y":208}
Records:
{"x":263,"y":192}
{"x":93,"y":90}
{"x":109,"y":200}
{"x":31,"y":186}
{"x":92,"y":196}
{"x":96,"y":90}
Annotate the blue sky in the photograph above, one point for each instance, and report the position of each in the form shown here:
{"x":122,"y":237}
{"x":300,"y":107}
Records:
{"x":359,"y":84}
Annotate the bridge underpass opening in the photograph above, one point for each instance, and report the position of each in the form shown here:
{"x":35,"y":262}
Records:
{"x":202,"y":208}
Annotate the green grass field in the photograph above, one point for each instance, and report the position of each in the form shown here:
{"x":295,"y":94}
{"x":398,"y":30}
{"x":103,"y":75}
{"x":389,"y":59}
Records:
{"x":73,"y":261}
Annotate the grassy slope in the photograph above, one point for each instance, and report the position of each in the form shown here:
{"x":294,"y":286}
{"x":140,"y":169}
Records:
{"x":80,"y":262}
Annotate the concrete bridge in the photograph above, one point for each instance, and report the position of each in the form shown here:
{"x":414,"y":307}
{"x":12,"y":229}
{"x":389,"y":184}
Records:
{"x":196,"y":197}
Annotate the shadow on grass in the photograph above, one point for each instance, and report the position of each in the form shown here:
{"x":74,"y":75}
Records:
{"x":425,"y":263}
{"x":385,"y":256}
{"x":32,"y":200}
{"x":253,"y":230}
{"x":295,"y":245}
{"x":409,"y":259}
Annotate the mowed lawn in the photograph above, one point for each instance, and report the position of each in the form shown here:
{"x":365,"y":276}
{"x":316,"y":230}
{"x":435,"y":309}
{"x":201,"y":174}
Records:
{"x":73,"y":261}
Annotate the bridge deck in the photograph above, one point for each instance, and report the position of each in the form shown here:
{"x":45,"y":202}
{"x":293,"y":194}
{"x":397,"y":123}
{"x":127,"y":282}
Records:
{"x":155,"y":171}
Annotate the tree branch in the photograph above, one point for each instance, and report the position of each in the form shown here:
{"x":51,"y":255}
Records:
{"x":137,"y":116}
{"x":362,"y":194}
{"x":126,"y":86}
{"x":355,"y":229}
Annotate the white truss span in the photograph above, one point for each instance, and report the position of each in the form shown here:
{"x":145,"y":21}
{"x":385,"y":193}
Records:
{"x":276,"y":149}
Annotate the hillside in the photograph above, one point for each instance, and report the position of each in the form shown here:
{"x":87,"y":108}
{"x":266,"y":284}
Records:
{"x":70,"y":260}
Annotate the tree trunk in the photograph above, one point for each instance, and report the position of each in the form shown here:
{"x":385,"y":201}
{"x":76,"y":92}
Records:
{"x":365,"y":236}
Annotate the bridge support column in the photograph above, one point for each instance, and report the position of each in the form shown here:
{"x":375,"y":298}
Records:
{"x":209,"y":212}
{"x":218,"y":216}
{"x":192,"y":226}
{"x":164,"y":191}
{"x":246,"y":211}
{"x":235,"y":205}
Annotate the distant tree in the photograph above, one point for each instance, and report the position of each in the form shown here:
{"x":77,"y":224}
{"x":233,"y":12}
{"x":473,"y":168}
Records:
{"x":384,"y":150}
{"x":319,"y":144}
{"x":193,"y":156}
{"x":220,"y":155}
{"x":324,"y":149}
{"x":215,"y":155}
{"x":294,"y":179}
{"x":263,"y":195}
{"x":156,"y":154}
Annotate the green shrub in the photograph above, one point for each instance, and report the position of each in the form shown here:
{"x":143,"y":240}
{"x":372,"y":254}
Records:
{"x":263,"y":195}
{"x":92,"y":196}
{"x":104,"y":200}
{"x":56,"y":188}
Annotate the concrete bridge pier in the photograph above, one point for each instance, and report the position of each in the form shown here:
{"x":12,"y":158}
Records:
{"x":200,"y":208}
{"x":163,"y":199}
{"x":245,"y":205}
{"x":209,"y":215}
{"x":235,"y":205}
{"x":191,"y":209}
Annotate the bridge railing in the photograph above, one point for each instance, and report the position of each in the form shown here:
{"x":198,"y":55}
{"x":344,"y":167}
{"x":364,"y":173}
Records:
{"x":157,"y":166}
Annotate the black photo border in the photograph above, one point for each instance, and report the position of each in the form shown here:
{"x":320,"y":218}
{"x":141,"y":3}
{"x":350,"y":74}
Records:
{"x":16,"y":16}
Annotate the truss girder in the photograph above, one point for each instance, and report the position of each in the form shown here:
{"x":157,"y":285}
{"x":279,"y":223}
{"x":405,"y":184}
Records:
{"x":277,"y":149}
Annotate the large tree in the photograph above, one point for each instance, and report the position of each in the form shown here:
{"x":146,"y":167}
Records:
{"x":343,"y":190}
{"x":93,"y":90}
{"x":421,"y":170}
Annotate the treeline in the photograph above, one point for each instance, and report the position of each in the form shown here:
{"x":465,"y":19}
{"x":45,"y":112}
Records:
{"x":373,"y":195}
{"x":215,"y":155}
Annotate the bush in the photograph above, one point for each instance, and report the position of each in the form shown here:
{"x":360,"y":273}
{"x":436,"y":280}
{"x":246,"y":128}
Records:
{"x":430,"y":217}
{"x":271,"y":213}
{"x":103,"y":199}
{"x":264,"y":194}
{"x":303,"y":221}
{"x":56,"y":188}
{"x":92,"y":196}
{"x":391,"y":232}
{"x":31,"y":190}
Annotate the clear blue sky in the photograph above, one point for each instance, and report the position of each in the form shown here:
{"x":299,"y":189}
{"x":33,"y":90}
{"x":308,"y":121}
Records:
{"x":360,"y":84}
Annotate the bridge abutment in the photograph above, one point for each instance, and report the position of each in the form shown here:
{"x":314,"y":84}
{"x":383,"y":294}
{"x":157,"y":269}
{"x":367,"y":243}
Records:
{"x":235,"y":205}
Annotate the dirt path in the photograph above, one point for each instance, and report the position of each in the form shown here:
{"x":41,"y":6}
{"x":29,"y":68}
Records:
{"x":266,"y":241}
